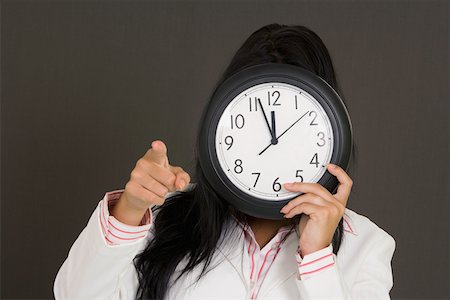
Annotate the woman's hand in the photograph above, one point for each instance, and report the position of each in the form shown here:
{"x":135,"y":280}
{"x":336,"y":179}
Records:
{"x":150,"y":181}
{"x":321,"y":211}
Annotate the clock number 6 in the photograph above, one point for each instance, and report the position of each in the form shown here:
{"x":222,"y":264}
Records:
{"x":276,"y":186}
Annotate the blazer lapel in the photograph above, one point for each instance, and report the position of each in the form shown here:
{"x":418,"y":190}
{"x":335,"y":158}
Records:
{"x":234,"y":252}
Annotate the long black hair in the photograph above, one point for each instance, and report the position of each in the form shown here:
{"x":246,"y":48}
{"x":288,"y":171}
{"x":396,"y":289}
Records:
{"x":191,"y":224}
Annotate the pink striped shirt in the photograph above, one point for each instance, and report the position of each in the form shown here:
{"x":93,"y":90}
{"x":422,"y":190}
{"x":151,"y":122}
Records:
{"x":116,"y":233}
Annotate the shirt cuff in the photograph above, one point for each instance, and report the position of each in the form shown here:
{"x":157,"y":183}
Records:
{"x":116,"y":232}
{"x":315,"y":262}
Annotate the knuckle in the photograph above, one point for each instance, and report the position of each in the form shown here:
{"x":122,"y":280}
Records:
{"x":135,"y":174}
{"x":141,"y":163}
{"x":334,"y":210}
{"x":326,"y":211}
{"x":341,"y":208}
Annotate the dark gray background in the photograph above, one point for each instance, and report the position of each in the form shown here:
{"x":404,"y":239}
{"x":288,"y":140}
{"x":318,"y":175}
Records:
{"x":87,"y":85}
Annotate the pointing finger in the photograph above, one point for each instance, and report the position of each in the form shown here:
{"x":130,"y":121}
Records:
{"x":158,"y":153}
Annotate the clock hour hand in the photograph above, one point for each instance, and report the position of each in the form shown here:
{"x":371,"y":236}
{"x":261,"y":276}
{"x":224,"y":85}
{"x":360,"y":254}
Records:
{"x":284,"y":132}
{"x":274,"y":132}
{"x":267,"y":121}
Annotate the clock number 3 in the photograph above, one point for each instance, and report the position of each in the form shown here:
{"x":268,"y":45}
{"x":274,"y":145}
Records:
{"x":321,"y":136}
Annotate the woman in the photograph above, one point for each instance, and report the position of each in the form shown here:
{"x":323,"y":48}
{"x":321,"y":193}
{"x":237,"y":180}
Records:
{"x":164,"y":238}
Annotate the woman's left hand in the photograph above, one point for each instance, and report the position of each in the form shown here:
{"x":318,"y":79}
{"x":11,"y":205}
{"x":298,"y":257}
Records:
{"x":321,"y":211}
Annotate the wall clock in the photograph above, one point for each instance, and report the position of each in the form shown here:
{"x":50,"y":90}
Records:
{"x":269,"y":124}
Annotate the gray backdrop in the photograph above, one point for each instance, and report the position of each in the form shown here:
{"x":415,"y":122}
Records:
{"x":87,"y":85}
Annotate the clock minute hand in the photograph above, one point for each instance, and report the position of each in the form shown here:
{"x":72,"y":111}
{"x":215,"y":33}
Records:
{"x":284,"y":132}
{"x":293,"y":124}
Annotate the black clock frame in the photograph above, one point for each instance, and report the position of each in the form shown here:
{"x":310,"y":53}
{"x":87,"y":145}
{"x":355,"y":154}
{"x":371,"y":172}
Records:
{"x":263,"y":73}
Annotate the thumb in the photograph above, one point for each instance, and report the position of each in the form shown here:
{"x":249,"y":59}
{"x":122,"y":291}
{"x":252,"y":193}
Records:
{"x":159,"y":153}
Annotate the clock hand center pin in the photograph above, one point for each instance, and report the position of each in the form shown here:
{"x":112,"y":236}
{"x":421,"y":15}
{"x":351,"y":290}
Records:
{"x":284,"y":132}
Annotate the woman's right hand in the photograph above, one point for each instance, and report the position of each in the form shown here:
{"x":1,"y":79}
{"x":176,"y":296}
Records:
{"x":150,"y":181}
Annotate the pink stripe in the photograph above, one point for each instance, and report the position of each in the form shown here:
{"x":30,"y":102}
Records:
{"x":311,"y":262}
{"x":110,"y":223}
{"x":262,"y":266}
{"x":310,"y":272}
{"x":249,"y":247}
{"x":115,"y":193}
{"x":125,"y":239}
{"x":253,"y":262}
{"x":109,"y":241}
{"x":346,"y":222}
{"x":101,"y":220}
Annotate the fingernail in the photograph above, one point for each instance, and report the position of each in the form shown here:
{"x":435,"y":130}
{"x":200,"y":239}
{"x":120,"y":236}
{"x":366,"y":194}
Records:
{"x":331,"y":166}
{"x":288,"y":184}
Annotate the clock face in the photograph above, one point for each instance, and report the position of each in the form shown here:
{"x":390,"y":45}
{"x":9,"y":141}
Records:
{"x":270,"y":134}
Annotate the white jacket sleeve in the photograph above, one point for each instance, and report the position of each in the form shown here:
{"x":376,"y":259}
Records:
{"x":373,"y":280}
{"x":94,"y":267}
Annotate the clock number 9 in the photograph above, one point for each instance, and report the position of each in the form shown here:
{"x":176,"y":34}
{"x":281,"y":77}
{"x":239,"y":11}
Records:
{"x":238,"y":166}
{"x":239,"y":121}
{"x":276,"y":186}
{"x":229,"y":141}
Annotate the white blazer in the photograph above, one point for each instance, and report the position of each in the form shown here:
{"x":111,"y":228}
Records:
{"x":362,"y":269}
